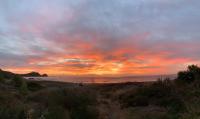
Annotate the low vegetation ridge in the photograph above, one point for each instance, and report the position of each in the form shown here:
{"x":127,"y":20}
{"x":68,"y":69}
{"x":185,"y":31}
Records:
{"x":8,"y":75}
{"x":34,"y":74}
{"x":162,"y":99}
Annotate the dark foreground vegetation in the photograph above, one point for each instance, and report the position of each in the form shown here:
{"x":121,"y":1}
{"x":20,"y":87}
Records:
{"x":163,"y":99}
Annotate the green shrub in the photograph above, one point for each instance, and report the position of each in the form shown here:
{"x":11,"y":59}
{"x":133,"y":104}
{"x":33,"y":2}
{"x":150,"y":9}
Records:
{"x":185,"y":76}
{"x":194,"y":69}
{"x":2,"y":80}
{"x":17,"y":80}
{"x":74,"y":98}
{"x":84,"y":112}
{"x":173,"y":103}
{"x":6,"y":74}
{"x":161,"y":93}
{"x":23,"y":88}
{"x":148,"y":114}
{"x":192,"y":73}
{"x":33,"y":86}
{"x":143,"y":95}
{"x":21,"y":84}
{"x":15,"y":112}
{"x":81,"y":103}
{"x":57,"y":112}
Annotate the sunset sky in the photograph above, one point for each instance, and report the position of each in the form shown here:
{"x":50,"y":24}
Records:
{"x":99,"y":37}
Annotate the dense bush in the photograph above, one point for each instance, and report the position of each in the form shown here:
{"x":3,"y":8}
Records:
{"x":17,"y":80}
{"x":56,"y":112}
{"x":84,"y":112}
{"x":1,"y":78}
{"x":15,"y":112}
{"x":34,"y":86}
{"x":160,"y":93}
{"x":78,"y":103}
{"x":192,"y":73}
{"x":148,"y":113}
{"x":20,"y":84}
{"x":6,"y":74}
{"x":23,"y":88}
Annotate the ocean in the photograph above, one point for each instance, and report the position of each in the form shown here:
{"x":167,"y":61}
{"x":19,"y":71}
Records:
{"x":100,"y":79}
